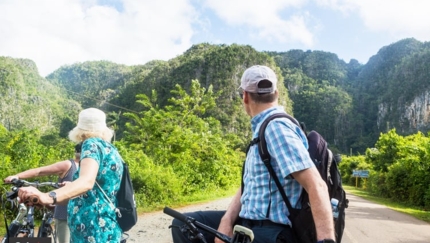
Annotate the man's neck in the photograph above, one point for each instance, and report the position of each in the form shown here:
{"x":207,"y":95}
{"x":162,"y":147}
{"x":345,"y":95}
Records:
{"x":256,"y":109}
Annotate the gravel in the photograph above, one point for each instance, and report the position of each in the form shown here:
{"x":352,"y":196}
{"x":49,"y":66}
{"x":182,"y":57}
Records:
{"x":154,"y":227}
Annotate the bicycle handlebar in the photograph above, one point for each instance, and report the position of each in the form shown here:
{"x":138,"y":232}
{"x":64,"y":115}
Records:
{"x":194,"y":224}
{"x":21,"y":183}
{"x":175,"y":214}
{"x":18,"y":183}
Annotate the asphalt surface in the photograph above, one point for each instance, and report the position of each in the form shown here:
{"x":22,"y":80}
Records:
{"x":369,"y":222}
{"x":366,"y":222}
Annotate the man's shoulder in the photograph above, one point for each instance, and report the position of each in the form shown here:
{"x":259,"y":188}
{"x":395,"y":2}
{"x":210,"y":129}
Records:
{"x":282,"y":122}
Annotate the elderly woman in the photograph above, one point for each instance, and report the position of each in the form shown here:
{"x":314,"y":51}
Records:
{"x":90,"y":216}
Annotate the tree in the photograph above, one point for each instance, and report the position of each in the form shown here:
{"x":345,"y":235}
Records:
{"x":177,"y":137}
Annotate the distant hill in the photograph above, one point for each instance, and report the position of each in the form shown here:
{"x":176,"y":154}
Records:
{"x":349,"y":103}
{"x":28,"y":101}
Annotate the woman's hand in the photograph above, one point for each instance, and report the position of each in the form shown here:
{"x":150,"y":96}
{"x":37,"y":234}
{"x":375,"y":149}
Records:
{"x":64,"y":183}
{"x":10,"y":178}
{"x":32,"y":196}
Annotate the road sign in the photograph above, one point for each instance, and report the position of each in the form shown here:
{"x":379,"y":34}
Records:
{"x":364,"y":174}
{"x":360,"y":173}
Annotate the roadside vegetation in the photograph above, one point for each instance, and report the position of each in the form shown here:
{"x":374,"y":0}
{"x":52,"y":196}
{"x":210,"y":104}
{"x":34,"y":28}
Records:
{"x":399,"y":169}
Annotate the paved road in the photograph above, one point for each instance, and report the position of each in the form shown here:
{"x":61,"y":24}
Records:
{"x":369,"y":222}
{"x":366,"y":222}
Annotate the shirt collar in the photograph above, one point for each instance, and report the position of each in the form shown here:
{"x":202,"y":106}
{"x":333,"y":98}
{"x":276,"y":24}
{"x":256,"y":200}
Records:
{"x":259,"y":118}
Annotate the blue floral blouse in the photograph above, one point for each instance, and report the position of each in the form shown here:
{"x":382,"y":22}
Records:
{"x":90,"y":216}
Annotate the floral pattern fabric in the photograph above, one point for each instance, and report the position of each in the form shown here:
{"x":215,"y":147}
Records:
{"x":91,"y":218}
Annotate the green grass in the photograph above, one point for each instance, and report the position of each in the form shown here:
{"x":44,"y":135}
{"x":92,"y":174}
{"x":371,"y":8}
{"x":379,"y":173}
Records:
{"x":401,"y":207}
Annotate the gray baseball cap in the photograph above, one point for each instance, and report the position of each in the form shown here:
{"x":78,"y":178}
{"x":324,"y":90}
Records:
{"x":252,"y":77}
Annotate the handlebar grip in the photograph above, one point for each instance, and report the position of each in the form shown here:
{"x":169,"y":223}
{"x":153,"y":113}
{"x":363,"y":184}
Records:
{"x":175,"y":214}
{"x":34,"y":200}
{"x":239,"y":229}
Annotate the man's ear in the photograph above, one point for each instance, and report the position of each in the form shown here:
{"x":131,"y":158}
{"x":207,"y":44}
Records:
{"x":246,"y":97}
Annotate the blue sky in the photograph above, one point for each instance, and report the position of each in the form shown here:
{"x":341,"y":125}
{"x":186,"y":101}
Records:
{"x":62,"y":32}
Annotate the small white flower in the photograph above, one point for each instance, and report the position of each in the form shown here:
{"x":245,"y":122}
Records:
{"x":91,"y":239}
{"x":102,"y":222}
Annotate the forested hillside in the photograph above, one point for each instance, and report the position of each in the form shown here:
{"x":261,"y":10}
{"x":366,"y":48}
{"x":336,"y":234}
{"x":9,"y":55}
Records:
{"x":319,"y":86}
{"x":219,"y":66}
{"x":390,"y":90}
{"x":349,"y":103}
{"x":28,"y":101}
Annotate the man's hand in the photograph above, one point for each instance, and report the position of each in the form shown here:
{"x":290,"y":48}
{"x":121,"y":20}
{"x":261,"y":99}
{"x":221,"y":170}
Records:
{"x":226,"y":229}
{"x":230,"y":217}
{"x":316,"y":188}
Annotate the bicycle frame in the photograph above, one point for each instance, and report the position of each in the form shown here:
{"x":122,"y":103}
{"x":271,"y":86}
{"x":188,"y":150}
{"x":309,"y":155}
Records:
{"x":28,"y":229}
{"x":45,"y":229}
{"x":23,"y":225}
{"x":16,"y":225}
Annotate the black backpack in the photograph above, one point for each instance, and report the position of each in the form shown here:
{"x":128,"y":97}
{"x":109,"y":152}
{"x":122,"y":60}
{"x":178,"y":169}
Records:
{"x":126,"y":202}
{"x":126,"y":213}
{"x":326,"y":163}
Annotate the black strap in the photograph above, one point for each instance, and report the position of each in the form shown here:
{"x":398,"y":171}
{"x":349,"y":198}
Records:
{"x":265,"y":156}
{"x":264,"y":153}
{"x":254,"y":141}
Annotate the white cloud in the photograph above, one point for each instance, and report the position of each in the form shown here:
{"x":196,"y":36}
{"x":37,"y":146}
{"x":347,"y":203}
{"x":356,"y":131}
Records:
{"x":265,"y":19}
{"x":399,"y":18}
{"x":54,"y":33}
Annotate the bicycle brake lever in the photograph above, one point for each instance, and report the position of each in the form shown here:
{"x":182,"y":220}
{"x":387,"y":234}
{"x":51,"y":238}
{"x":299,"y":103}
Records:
{"x":11,"y":195}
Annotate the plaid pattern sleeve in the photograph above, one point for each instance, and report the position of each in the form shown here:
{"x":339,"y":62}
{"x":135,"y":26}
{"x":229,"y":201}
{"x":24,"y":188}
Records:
{"x":287,"y":145}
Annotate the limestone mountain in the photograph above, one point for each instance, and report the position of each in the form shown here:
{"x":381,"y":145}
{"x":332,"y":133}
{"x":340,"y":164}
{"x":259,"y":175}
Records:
{"x":29,"y":101}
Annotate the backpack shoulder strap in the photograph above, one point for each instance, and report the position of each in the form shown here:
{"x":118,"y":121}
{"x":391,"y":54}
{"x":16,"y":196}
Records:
{"x":265,"y":156}
{"x":110,"y":202}
{"x":261,"y":141}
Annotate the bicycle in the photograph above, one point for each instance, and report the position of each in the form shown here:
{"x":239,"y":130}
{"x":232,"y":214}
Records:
{"x":23,"y":225}
{"x":191,"y":229}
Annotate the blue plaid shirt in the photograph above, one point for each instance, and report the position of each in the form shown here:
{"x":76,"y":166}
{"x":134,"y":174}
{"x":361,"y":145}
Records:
{"x":287,"y":146}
